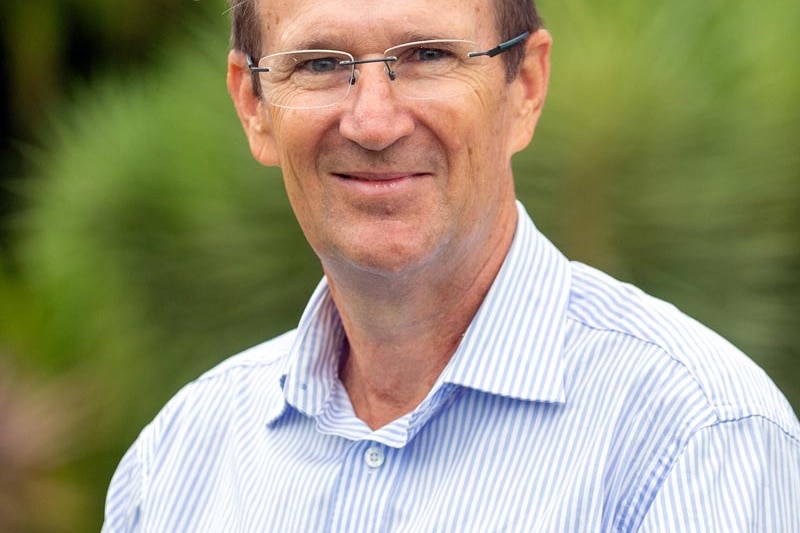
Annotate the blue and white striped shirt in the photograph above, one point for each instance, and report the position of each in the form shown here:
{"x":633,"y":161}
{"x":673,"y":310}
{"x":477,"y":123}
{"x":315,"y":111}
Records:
{"x":574,"y":403}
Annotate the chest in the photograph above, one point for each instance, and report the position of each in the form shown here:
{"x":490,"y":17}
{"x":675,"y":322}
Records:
{"x":483,"y":464}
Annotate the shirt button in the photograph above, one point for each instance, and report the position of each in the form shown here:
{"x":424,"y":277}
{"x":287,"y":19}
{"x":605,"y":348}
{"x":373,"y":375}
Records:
{"x":374,"y":456}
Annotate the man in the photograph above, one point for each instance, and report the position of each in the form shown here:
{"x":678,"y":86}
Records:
{"x":453,"y":371}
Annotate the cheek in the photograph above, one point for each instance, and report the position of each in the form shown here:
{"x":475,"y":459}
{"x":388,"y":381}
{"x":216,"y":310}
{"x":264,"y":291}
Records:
{"x":302,"y":142}
{"x":294,"y":167}
{"x":298,"y":140}
{"x":476,"y":137}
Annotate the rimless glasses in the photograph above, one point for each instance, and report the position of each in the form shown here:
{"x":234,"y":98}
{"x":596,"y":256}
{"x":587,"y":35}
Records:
{"x":421,"y":70}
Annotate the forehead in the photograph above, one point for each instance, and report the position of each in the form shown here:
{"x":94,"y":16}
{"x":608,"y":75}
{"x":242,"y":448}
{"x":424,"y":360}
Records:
{"x":372,"y":24}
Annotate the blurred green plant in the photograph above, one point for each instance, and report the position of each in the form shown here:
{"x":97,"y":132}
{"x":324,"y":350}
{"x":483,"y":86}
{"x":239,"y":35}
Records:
{"x":42,"y":423}
{"x":154,"y":244}
{"x":667,"y":155}
{"x":78,"y":37}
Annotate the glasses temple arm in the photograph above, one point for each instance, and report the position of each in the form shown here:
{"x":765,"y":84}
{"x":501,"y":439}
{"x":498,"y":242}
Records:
{"x":252,"y":65}
{"x":502,"y":47}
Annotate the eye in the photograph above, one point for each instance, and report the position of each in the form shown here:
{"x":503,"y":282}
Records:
{"x":320,"y":65}
{"x":429,"y":54}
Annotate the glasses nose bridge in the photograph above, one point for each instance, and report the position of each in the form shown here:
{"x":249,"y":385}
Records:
{"x":387,"y":68}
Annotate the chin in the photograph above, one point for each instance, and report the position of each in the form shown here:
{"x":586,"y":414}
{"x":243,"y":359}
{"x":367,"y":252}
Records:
{"x":384,"y":259}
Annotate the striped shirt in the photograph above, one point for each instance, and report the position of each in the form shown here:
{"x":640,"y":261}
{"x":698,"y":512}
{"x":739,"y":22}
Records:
{"x":574,"y":403}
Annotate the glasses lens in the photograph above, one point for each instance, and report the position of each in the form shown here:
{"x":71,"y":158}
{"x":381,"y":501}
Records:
{"x":434,"y":69}
{"x":305,"y":79}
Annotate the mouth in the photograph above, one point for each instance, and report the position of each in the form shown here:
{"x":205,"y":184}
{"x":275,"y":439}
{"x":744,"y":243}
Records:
{"x":378,"y":182}
{"x":377,"y":176}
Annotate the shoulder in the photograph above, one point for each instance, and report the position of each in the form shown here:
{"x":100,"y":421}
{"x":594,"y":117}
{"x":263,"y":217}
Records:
{"x":732,"y":387}
{"x":192,"y":432}
{"x":261,"y":358}
{"x":257,"y":367}
{"x":246,"y":385}
{"x":673,"y":391}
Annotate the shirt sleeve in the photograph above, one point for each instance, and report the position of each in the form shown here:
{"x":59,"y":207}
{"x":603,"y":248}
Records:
{"x":741,"y":476}
{"x":124,"y":498}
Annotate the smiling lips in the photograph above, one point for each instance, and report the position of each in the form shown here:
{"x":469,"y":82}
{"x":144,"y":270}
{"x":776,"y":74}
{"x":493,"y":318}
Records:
{"x":371,"y":183}
{"x":378,"y":176}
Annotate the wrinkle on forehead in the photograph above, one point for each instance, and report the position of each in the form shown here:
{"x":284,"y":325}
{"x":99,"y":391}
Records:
{"x":373,"y":25}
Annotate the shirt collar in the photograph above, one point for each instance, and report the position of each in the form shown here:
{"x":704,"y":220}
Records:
{"x":313,"y":361}
{"x":511,"y":348}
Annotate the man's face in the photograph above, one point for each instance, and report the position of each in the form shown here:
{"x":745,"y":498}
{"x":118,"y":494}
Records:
{"x":387,"y":184}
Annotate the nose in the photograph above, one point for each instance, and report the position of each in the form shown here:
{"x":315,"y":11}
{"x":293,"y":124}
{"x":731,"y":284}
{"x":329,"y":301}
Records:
{"x":374,"y":118}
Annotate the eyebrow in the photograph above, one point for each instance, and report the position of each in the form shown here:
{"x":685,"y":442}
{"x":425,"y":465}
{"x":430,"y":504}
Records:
{"x":347,"y":43}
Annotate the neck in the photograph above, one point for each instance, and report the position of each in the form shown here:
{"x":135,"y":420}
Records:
{"x":403,"y":329}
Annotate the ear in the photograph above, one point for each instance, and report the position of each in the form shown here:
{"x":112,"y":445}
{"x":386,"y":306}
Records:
{"x":531,"y":84}
{"x":252,"y":110}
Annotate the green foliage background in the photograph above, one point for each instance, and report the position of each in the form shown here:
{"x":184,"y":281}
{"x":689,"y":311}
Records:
{"x":151,"y":246}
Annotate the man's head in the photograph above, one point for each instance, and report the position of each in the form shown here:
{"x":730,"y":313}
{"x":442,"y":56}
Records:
{"x":382,"y":178}
{"x":512,"y":18}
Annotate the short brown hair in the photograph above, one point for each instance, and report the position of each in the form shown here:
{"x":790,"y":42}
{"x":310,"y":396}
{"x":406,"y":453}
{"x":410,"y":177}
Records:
{"x":513,"y":18}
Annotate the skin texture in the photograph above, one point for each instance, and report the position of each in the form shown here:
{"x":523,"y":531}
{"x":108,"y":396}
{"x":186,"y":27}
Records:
{"x":408,"y":204}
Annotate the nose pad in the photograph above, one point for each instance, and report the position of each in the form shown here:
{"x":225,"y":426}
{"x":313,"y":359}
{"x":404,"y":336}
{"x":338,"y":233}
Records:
{"x":389,"y":72}
{"x":392,"y":74}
